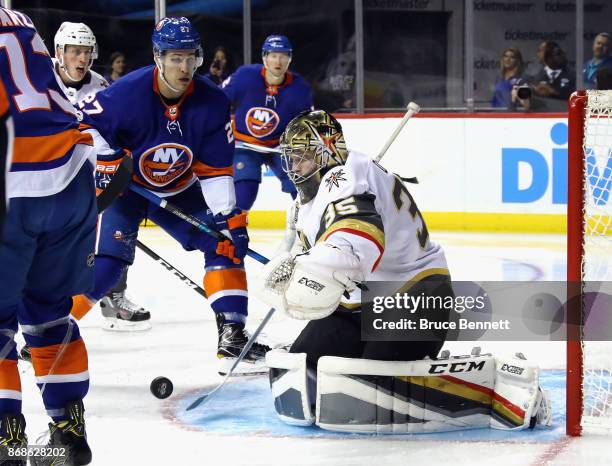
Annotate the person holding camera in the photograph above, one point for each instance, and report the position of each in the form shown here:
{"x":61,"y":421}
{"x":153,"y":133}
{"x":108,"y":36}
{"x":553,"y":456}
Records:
{"x":555,"y":82}
{"x":511,"y":90}
{"x":220,"y":67}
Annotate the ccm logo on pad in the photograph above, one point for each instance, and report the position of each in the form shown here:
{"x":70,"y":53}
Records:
{"x":456,"y":367}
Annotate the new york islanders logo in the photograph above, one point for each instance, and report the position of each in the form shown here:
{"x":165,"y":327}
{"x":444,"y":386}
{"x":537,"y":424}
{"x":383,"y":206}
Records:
{"x":162,"y":164}
{"x":261,"y":121}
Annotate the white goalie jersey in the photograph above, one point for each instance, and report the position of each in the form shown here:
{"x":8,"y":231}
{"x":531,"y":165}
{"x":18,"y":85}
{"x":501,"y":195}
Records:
{"x":92,"y":83}
{"x":363,"y":206}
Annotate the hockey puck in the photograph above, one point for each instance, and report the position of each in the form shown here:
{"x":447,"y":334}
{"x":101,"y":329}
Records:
{"x":161,"y":387}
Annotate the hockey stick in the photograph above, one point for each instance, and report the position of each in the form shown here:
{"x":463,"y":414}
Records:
{"x":190,"y":219}
{"x":262,"y":149}
{"x":245,"y":350}
{"x":411,"y":110}
{"x":201,"y":226}
{"x":168,"y":266}
{"x":117,"y":184}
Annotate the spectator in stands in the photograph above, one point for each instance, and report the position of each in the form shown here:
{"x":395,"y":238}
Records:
{"x":506,"y":94}
{"x":118,"y":67}
{"x":335,"y":91}
{"x":604,"y":79}
{"x":555,"y":82}
{"x":536,"y":66}
{"x":602,"y":45}
{"x":220,"y":68}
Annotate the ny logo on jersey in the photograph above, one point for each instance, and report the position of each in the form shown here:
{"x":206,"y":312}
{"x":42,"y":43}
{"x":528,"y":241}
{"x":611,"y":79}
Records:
{"x":261,"y":121}
{"x":334,"y":178}
{"x":162,"y":164}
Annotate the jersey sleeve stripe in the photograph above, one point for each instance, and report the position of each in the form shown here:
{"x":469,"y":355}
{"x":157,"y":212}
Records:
{"x":40,"y":149}
{"x":362,"y":229}
{"x":10,"y":375}
{"x":4,"y":102}
{"x":202,"y":170}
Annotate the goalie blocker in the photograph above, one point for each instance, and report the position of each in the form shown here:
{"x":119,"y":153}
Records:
{"x":399,"y":397}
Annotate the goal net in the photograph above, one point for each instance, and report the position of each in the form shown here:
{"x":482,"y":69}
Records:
{"x":589,"y":349}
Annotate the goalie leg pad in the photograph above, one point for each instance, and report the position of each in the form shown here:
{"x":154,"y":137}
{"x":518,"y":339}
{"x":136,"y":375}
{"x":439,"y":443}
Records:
{"x":397,"y":397}
{"x":518,"y":402}
{"x":291,"y":387}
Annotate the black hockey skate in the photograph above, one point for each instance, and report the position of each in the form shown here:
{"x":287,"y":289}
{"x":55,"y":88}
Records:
{"x":122,"y":315}
{"x":13,"y":440}
{"x":68,"y":438}
{"x":232,"y":338}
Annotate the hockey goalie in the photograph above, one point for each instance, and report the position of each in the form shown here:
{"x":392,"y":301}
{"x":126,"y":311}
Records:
{"x":357,"y":222}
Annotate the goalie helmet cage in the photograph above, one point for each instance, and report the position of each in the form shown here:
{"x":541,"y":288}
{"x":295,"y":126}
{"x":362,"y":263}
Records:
{"x":589,"y":253}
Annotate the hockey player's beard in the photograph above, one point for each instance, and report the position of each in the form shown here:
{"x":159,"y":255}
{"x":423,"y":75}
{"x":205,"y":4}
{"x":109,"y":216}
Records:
{"x":308,"y":189}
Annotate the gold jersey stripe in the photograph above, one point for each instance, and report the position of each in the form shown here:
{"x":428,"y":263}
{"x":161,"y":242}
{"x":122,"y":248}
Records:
{"x":362,"y":226}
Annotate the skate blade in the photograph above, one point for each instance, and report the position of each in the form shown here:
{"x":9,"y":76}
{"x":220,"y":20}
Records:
{"x":244,"y":368}
{"x":118,"y":325}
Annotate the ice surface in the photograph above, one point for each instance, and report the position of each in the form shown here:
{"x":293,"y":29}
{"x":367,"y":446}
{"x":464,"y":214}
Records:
{"x":128,"y":426}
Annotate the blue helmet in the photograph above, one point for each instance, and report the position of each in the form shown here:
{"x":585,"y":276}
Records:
{"x":276,"y":43}
{"x":176,"y":34}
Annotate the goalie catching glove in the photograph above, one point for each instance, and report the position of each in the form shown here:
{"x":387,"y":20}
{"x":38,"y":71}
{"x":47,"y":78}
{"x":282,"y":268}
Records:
{"x":308,"y":286}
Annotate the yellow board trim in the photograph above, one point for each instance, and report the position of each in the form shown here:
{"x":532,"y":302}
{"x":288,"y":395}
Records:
{"x":461,"y":221}
{"x":453,"y":221}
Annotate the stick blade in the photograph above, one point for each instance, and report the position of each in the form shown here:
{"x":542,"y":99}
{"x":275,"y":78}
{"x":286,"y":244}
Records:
{"x":197,"y":403}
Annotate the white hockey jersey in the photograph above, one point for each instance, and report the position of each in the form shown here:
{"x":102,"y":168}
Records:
{"x":371,"y":209}
{"x":91,"y":84}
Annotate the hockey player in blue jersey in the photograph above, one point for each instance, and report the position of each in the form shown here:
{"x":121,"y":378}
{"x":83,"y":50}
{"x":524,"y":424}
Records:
{"x":177,"y":126}
{"x":47,"y":251}
{"x":265,"y":98}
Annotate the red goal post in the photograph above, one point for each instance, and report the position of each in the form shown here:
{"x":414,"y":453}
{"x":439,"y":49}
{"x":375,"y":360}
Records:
{"x":589,"y":257}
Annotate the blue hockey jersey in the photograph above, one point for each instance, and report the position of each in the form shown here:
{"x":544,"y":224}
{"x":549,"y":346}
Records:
{"x":263,"y":111}
{"x":172,"y":145}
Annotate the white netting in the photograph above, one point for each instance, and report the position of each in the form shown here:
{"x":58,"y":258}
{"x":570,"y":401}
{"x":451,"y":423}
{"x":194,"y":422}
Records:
{"x":597,"y":261}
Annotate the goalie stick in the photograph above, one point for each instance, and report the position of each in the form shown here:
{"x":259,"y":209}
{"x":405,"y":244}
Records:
{"x":205,"y":398}
{"x":411,"y":110}
{"x":202,"y":227}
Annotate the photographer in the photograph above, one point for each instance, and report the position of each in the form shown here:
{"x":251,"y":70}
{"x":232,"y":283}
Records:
{"x":555,"y":82}
{"x":511,"y":91}
{"x":220,"y":67}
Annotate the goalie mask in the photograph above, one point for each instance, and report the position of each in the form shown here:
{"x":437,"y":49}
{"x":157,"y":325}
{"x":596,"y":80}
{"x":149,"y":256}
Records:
{"x":74,"y":34}
{"x":311,"y":145}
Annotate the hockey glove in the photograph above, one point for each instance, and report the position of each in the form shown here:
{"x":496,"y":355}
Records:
{"x":235,"y":222}
{"x":106,"y":167}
